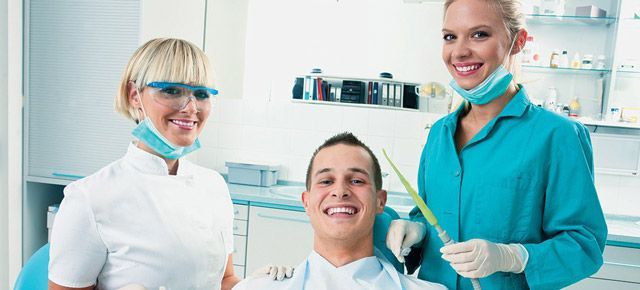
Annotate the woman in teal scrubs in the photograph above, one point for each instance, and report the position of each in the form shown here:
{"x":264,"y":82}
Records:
{"x":512,"y":182}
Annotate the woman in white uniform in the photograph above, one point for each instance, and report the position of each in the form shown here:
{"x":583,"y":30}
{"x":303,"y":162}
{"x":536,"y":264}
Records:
{"x":151,"y":218}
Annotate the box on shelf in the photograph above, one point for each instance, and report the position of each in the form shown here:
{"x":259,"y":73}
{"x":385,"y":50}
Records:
{"x":252,"y":174}
{"x":51,"y":216}
{"x":590,"y":11}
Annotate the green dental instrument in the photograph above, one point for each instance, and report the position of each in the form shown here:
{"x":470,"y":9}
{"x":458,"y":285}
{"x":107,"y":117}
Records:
{"x":426,"y":212}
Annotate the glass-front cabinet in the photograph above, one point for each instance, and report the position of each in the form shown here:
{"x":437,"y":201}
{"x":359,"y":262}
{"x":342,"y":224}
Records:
{"x":567,"y":62}
{"x":581,"y":59}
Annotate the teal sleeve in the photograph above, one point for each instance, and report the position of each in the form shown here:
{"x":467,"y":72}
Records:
{"x":380,"y":229}
{"x":573,"y":222}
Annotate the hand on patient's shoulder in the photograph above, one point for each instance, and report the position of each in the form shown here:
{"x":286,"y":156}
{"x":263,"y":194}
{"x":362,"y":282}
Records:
{"x":274,"y":272}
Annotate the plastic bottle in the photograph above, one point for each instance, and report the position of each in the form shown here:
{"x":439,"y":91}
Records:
{"x":551,"y":100}
{"x":564,"y":59}
{"x":535,"y":54}
{"x":527,"y":56}
{"x":554,"y":59}
{"x":587,"y":61}
{"x":574,"y":108}
{"x":600,"y":62}
{"x":576,"y":63}
{"x":560,"y":7}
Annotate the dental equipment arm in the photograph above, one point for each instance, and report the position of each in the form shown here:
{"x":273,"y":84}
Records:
{"x":426,"y":212}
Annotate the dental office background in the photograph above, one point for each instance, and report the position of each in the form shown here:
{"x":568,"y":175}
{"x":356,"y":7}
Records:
{"x":69,"y":129}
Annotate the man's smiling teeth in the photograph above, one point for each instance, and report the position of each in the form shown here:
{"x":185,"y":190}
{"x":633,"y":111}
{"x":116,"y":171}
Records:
{"x":183,"y":123}
{"x":467,"y":68}
{"x":347,"y":210}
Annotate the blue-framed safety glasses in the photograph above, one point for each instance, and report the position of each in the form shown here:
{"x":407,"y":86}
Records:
{"x":177,"y":95}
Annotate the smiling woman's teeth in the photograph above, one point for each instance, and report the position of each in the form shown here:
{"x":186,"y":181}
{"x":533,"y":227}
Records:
{"x":467,"y":68}
{"x":182,"y":123}
{"x":346,"y":210}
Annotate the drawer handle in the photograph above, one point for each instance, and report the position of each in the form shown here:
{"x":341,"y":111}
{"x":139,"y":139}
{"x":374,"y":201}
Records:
{"x":283,"y":218}
{"x":622,"y":264}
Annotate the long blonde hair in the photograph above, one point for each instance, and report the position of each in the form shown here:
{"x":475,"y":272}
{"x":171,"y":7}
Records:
{"x":163,"y":59}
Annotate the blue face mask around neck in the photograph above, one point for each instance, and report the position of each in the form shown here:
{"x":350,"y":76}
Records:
{"x":147,"y":133}
{"x":493,"y":86}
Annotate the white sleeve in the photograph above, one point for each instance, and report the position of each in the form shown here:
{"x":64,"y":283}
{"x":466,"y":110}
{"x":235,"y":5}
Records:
{"x":77,"y":252}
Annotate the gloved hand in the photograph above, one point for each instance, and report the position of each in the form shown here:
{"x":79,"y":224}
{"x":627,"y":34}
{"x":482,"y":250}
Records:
{"x":275,"y":272}
{"x":402,"y":235}
{"x":480,"y":258}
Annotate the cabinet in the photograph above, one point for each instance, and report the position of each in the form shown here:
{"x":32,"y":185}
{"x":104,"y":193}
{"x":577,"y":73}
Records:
{"x":621,"y":270}
{"x":600,"y":90}
{"x":595,"y":36}
{"x":278,"y":237}
{"x":240,"y":223}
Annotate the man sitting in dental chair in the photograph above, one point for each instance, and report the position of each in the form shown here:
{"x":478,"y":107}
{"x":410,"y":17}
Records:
{"x":344,"y":194}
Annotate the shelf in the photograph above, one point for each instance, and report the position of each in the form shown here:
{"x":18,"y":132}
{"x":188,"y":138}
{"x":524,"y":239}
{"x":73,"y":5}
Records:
{"x":546,"y":69}
{"x":354,"y":105}
{"x":394,"y":81}
{"x":629,"y":72}
{"x":592,"y":122}
{"x":571,"y":20}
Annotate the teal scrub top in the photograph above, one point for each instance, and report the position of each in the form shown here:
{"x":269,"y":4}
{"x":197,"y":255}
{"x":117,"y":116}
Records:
{"x":526,"y":177}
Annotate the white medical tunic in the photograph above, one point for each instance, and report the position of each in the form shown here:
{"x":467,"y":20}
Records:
{"x":316,"y":273}
{"x":131,"y":222}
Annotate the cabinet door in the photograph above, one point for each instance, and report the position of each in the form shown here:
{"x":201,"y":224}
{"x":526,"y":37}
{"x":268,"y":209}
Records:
{"x":75,"y":52}
{"x":621,"y":264}
{"x":277,"y":236}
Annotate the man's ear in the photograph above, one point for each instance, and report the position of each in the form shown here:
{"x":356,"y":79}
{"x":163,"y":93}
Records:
{"x":305,"y":199}
{"x":521,"y":41}
{"x":381,"y":201}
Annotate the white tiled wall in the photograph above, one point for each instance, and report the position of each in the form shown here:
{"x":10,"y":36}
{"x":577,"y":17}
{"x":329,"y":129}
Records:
{"x":287,"y":133}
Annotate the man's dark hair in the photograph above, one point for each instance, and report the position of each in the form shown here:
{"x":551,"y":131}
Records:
{"x":347,"y":138}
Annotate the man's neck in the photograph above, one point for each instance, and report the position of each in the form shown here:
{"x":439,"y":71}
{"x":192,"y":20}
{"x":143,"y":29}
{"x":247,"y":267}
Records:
{"x":340,"y":253}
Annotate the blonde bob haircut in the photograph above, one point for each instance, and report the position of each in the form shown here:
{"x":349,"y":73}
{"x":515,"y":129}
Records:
{"x":163,"y":60}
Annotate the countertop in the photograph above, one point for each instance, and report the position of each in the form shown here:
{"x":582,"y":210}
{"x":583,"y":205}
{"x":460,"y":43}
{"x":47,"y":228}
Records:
{"x":624,"y":231}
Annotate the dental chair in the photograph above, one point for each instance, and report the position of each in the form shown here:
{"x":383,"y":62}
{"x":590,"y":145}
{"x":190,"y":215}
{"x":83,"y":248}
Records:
{"x":381,"y":227}
{"x":34,"y":274}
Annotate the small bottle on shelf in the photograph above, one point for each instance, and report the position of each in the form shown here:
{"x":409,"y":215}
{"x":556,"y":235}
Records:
{"x":600,"y":62}
{"x":552,"y":98}
{"x":554,"y":61}
{"x":564,"y":59}
{"x":576,"y":63}
{"x":587,"y":61}
{"x":527,"y":56}
{"x":574,"y":108}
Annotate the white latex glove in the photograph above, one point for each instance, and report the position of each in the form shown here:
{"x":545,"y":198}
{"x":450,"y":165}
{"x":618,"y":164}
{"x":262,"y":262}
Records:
{"x":275,"y":272}
{"x":402,"y":235}
{"x":480,"y":258}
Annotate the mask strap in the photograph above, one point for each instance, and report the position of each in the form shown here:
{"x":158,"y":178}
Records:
{"x":506,"y":58}
{"x":141,"y":105}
